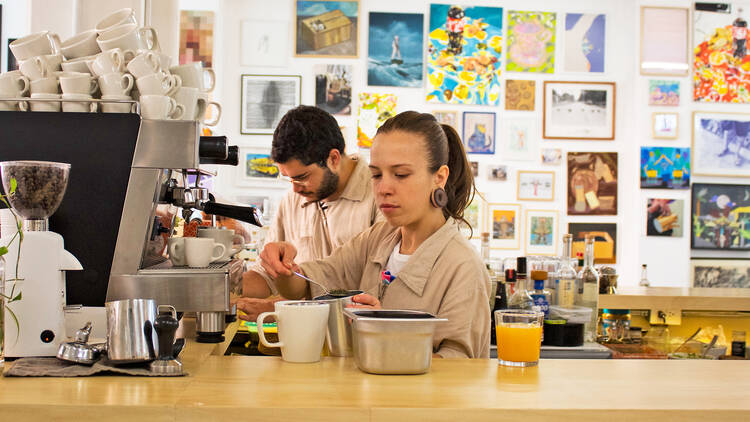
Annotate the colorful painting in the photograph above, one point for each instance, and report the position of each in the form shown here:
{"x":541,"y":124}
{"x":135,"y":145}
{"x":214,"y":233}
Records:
{"x":665,"y":168}
{"x":463,"y":54}
{"x":260,"y":166}
{"x":497,"y":173}
{"x":541,"y":232}
{"x":720,"y":217}
{"x":395,"y":49}
{"x":665,"y":125}
{"x":504,"y":223}
{"x":333,"y":88}
{"x":585,"y":39}
{"x":720,"y":273}
{"x":721,"y":144}
{"x":374,"y":110}
{"x":197,"y":37}
{"x":579,"y":110}
{"x":605,"y":240}
{"x":531,"y":42}
{"x":449,"y":118}
{"x":663,"y":93}
{"x":265,"y":100}
{"x":536,"y":185}
{"x":592,"y":183}
{"x":326,"y":28}
{"x":520,"y":95}
{"x":519,"y":142}
{"x":665,"y":217}
{"x":479,"y":132}
{"x":664,"y":40}
{"x":552,"y":156}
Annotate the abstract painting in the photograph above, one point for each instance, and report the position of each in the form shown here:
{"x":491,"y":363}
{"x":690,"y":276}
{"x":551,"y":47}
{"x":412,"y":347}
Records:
{"x":552,"y":156}
{"x":504,"y":224}
{"x":541,"y":232}
{"x":374,"y":110}
{"x":579,"y":110}
{"x":605,"y":240}
{"x":665,"y":125}
{"x":464,"y":46}
{"x":536,"y":186}
{"x":520,"y":95}
{"x":592,"y":183}
{"x":497,"y":173}
{"x":519,"y":141}
{"x":721,"y":144}
{"x":720,"y":217}
{"x":263,"y":44}
{"x":326,"y":28}
{"x":663,"y":93}
{"x":265,"y":100}
{"x":531,"y":42}
{"x":585,"y":39}
{"x":665,"y":217}
{"x":197,"y":37}
{"x":333,"y":88}
{"x":721,"y":273}
{"x":664,"y":40}
{"x":449,"y":118}
{"x":479,"y":132}
{"x":395,"y":49}
{"x":665,"y":168}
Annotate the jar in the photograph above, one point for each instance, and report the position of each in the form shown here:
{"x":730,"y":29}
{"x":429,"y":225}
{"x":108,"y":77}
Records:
{"x":616,"y":325}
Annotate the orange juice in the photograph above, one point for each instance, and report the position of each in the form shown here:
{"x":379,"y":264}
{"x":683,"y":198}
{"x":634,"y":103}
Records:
{"x":518,"y":342}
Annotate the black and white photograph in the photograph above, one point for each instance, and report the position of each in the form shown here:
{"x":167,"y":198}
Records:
{"x":579,"y":110}
{"x":720,"y":273}
{"x":497,"y":173}
{"x":265,"y":99}
{"x":721,"y":144}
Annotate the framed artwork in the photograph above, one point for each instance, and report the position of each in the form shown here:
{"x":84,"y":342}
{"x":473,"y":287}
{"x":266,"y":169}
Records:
{"x":257,"y":168}
{"x":665,"y":125}
{"x":12,"y":64}
{"x":464,"y":46}
{"x":592,"y":183}
{"x":263,"y":203}
{"x":663,"y":93}
{"x":505,"y":225}
{"x":374,"y":110}
{"x":541,"y":232}
{"x":665,"y":168}
{"x":721,"y":144}
{"x":326,"y":28}
{"x":262,"y":44}
{"x":395,"y":49}
{"x":664,"y":40}
{"x":585,"y":42}
{"x":333,"y":88}
{"x":449,"y":118}
{"x":605,"y":240}
{"x":531,"y":42}
{"x":579,"y":110}
{"x":497,"y":173}
{"x":474,"y":168}
{"x":476,"y":215}
{"x":520,"y":95}
{"x":196,"y":37}
{"x":265,"y":100}
{"x":721,"y":73}
{"x":479,"y":132}
{"x":720,"y":273}
{"x":552,"y":156}
{"x":519,"y":141}
{"x":720,"y":217}
{"x":665,"y":217}
{"x":536,"y":186}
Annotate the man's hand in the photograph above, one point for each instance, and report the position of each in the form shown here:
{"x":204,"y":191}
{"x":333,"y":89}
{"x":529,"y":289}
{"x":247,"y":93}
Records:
{"x":254,"y":307}
{"x":277,"y":258}
{"x":365,"y":301}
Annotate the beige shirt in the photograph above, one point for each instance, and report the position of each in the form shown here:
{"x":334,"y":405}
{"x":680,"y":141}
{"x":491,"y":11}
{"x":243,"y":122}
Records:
{"x":316,"y":232}
{"x":444,"y":277}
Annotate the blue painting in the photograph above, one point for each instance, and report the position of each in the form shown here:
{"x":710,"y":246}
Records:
{"x":665,"y":168}
{"x":395,"y":49}
{"x":479,"y":132}
{"x":584,"y":42}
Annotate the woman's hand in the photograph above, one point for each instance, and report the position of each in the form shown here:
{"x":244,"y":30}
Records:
{"x":365,"y":301}
{"x":277,"y":258}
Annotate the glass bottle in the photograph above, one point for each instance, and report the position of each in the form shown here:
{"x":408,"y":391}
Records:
{"x":566,"y":292}
{"x":540,"y":295}
{"x":521,"y":299}
{"x":738,"y":343}
{"x":588,"y":277}
{"x":485,"y":249}
{"x":644,"y":277}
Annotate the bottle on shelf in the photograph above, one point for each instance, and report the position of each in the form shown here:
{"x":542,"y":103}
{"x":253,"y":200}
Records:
{"x":540,"y":295}
{"x":521,"y":299}
{"x":579,"y":255}
{"x":485,"y":249}
{"x":738,"y":343}
{"x":566,"y":291}
{"x":644,"y":277}
{"x":588,"y":277}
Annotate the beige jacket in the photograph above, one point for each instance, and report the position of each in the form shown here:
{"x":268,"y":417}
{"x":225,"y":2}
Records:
{"x":444,"y":277}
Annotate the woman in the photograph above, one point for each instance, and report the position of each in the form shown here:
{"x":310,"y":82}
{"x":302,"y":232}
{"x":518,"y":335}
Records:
{"x":422,"y":184}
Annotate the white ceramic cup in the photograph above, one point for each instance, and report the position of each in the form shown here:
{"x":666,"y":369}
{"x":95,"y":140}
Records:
{"x":193,"y":75}
{"x":224,"y":236}
{"x":38,"y":44}
{"x":113,"y":107}
{"x":13,"y":84}
{"x":199,"y":252}
{"x":77,"y":83}
{"x":48,"y":85}
{"x":80,"y":45}
{"x":45,"y":105}
{"x":110,"y":61}
{"x":176,"y":248}
{"x":128,"y":37}
{"x":80,"y":65}
{"x":160,"y":107}
{"x":116,"y":83}
{"x":194,"y":105}
{"x":144,"y":64}
{"x":203,"y":97}
{"x":158,"y":84}
{"x":120,"y":17}
{"x":40,"y":66}
{"x":301,"y":327}
{"x":78,"y":106}
{"x":13,"y":105}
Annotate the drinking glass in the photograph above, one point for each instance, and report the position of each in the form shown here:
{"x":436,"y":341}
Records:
{"x":519,"y":336}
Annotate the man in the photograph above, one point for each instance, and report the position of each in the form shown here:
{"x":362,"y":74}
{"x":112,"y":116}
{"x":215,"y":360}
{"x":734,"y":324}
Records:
{"x":331,"y":199}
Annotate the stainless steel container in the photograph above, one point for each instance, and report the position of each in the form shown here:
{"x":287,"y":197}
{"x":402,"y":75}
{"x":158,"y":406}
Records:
{"x":392,"y":341}
{"x":130,"y":334}
{"x":339,"y":332}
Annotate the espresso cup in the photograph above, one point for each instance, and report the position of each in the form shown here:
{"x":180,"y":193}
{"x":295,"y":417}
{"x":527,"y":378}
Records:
{"x":108,"y":106}
{"x":158,"y":84}
{"x":193,"y":75}
{"x":144,"y":64}
{"x":301,"y":326}
{"x":38,"y":44}
{"x":201,"y":252}
{"x":77,"y":83}
{"x":110,"y":61}
{"x":45,"y":105}
{"x":48,"y":85}
{"x":224,"y":236}
{"x":160,"y":107}
{"x":176,"y":248}
{"x":80,"y":45}
{"x":40,"y":66}
{"x":116,"y":83}
{"x":128,"y":37}
{"x":79,"y":103}
{"x":80,"y":65}
{"x":13,"y":84}
{"x":120,"y":17}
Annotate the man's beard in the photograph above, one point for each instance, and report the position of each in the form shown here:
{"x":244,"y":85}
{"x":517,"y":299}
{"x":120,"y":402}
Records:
{"x":328,"y":185}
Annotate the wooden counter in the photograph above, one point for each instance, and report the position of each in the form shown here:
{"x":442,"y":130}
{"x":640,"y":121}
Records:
{"x":686,"y":299}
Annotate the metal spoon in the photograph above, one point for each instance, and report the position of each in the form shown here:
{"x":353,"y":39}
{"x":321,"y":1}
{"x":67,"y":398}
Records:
{"x":710,"y":345}
{"x":300,"y":275}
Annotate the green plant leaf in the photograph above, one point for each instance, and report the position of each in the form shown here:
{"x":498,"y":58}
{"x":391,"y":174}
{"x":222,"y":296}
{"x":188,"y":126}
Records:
{"x":18,"y":297}
{"x":13,"y":185}
{"x":3,"y":250}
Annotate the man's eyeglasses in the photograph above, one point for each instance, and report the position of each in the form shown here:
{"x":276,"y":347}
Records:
{"x":297,"y":182}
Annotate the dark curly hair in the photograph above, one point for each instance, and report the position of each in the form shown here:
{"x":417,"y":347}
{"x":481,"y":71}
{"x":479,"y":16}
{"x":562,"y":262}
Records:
{"x":307,"y":134}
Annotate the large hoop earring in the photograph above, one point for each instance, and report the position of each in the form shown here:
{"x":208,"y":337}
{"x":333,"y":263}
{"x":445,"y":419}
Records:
{"x":439,"y":198}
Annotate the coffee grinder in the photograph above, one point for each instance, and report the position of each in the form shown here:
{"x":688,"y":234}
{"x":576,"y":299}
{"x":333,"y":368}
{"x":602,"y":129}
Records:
{"x":40,"y":271}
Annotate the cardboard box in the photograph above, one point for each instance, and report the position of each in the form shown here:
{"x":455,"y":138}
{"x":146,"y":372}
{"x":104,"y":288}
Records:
{"x":327,"y":29}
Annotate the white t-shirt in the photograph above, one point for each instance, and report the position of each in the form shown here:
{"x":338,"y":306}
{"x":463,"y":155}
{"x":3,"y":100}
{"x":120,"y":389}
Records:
{"x":396,"y":261}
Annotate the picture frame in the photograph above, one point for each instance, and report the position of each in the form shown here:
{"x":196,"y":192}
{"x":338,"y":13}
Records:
{"x":665,"y":125}
{"x":541,"y":232}
{"x":476,"y":214}
{"x":592,"y":183}
{"x":551,"y":156}
{"x":497,"y":173}
{"x":395,"y":49}
{"x":531,"y":41}
{"x":535,"y":185}
{"x":720,"y":273}
{"x":719,"y":217}
{"x":479,"y":129}
{"x":331,"y":34}
{"x":579,"y":110}
{"x":262,"y":44}
{"x":665,"y":168}
{"x":258,"y":115}
{"x":605,"y":240}
{"x":196,"y":37}
{"x":665,"y":217}
{"x":504,"y":225}
{"x":520,"y":95}
{"x":447,"y":117}
{"x":585,"y":42}
{"x":333,"y":88}
{"x":664,"y":41}
{"x":720,"y":144}
{"x":256,"y":168}
{"x":663,"y":93}
{"x":519,"y":141}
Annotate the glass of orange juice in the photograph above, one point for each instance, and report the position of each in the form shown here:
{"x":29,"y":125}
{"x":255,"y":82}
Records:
{"x":519,"y":336}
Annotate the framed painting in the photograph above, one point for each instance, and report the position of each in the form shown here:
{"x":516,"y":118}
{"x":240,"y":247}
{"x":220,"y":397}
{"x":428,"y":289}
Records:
{"x":541,"y":232}
{"x":497,"y":173}
{"x":196,"y":37}
{"x":504,"y":225}
{"x":476,"y":215}
{"x":262,"y":44}
{"x":536,"y":186}
{"x":265,"y":100}
{"x":326,"y":28}
{"x":665,"y":168}
{"x":721,"y":144}
{"x":464,"y":47}
{"x":592,"y":183}
{"x":395,"y":49}
{"x":605,"y":240}
{"x":257,"y":168}
{"x":519,"y":142}
{"x":720,"y":217}
{"x":585,"y":42}
{"x":474,"y":168}
{"x":479,"y":132}
{"x":665,"y":42}
{"x":374,"y":110}
{"x":531,"y":41}
{"x":552,"y":156}
{"x":520,"y":95}
{"x":665,"y":125}
{"x":579,"y":110}
{"x":720,"y":273}
{"x":449,"y":118}
{"x":333,"y":88}
{"x":663,"y":93}
{"x":665,"y":217}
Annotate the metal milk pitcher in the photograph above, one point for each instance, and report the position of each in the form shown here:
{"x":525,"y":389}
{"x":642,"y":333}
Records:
{"x":130,"y":333}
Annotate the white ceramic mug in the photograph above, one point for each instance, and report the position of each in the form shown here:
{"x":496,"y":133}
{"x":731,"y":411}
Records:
{"x":144,"y":64}
{"x":158,"y":84}
{"x":201,"y":252}
{"x":110,"y":61}
{"x":48,"y":85}
{"x":176,"y":248}
{"x":128,"y":37}
{"x":13,"y":105}
{"x":301,"y":327}
{"x":160,"y":107}
{"x":203,"y":96}
{"x":80,"y":45}
{"x":77,"y":83}
{"x":116,"y":107}
{"x":116,"y":83}
{"x":40,"y":66}
{"x":79,"y":105}
{"x":80,"y":65}
{"x":224,"y":236}
{"x":13,"y":84}
{"x":45,"y":105}
{"x":193,"y":75}
{"x":38,"y":44}
{"x":120,"y":17}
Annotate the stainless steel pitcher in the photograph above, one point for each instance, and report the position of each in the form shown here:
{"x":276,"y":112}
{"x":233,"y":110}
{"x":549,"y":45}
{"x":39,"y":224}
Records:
{"x":130,"y":333}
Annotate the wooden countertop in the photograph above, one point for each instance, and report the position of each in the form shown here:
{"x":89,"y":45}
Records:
{"x":686,"y":299}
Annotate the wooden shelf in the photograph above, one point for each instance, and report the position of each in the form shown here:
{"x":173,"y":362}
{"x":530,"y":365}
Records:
{"x":677,"y":298}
